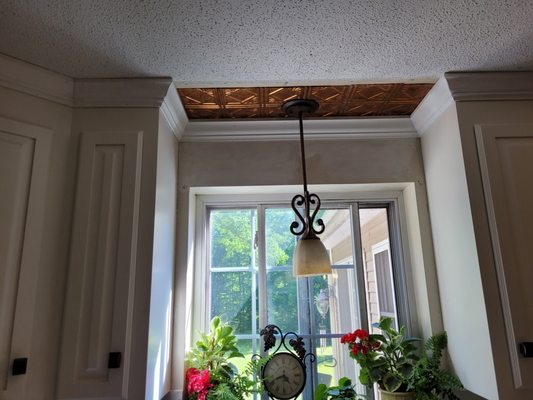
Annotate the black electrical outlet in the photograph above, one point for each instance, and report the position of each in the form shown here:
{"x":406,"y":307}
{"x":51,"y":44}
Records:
{"x":114,"y":360}
{"x":19,"y":366}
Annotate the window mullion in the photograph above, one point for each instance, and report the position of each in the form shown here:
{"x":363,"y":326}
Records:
{"x":207,"y":270}
{"x":359,"y":266}
{"x":357,"y":251}
{"x":254,"y":281}
{"x":261,"y":270}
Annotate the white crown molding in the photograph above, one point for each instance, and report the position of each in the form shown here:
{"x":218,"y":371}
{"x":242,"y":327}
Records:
{"x":304,"y":82}
{"x":432,"y":106}
{"x":287,"y":129}
{"x":36,"y":81}
{"x":134,"y":92}
{"x":174,"y":112}
{"x":482,"y":86}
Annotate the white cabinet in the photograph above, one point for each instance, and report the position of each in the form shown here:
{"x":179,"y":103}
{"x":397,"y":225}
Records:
{"x":24,"y":169}
{"x":100,"y":292}
{"x":506,"y":161}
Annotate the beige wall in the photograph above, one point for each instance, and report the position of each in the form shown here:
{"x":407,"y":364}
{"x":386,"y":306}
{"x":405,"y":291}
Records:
{"x":461,"y":293}
{"x":278,"y":162}
{"x":158,"y":371}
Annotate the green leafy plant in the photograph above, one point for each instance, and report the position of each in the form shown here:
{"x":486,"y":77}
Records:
{"x":428,"y":379}
{"x":210,"y":375}
{"x":343,"y":391}
{"x":387,"y":359}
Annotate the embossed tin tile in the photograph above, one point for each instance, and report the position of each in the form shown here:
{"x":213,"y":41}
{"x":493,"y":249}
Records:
{"x":365,"y":100}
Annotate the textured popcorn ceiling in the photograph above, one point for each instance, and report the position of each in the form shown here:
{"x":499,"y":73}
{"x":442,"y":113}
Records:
{"x":260,"y":42}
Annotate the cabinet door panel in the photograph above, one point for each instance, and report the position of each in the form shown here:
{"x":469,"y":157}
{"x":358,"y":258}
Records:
{"x":506,"y":159}
{"x":24,"y":163}
{"x":16,"y":155}
{"x":102,"y":266}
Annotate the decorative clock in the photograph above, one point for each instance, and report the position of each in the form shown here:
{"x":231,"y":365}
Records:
{"x":284,"y":374}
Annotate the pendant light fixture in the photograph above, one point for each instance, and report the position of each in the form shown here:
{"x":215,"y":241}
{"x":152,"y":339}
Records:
{"x":310,"y":255}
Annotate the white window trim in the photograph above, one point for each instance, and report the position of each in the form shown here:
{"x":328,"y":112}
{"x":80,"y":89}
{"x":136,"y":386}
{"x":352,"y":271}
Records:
{"x":241,"y":197}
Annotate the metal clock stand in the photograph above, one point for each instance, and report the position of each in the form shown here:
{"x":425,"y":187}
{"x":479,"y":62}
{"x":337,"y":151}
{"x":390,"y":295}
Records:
{"x":284,"y":374}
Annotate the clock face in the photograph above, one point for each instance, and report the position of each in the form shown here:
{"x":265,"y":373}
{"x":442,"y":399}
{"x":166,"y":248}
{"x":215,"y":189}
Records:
{"x":284,"y":376}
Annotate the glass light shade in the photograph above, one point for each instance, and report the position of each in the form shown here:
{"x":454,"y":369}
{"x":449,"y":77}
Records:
{"x":310,"y":258}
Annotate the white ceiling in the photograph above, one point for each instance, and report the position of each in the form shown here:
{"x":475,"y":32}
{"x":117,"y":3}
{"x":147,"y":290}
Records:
{"x":260,"y":42}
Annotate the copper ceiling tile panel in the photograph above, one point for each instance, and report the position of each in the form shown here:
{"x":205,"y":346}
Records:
{"x":203,"y":113}
{"x":239,"y":112}
{"x":273,"y":112}
{"x":365,"y":100}
{"x":241,"y":96}
{"x":397,"y":109}
{"x":412,"y":92}
{"x":329,"y":94}
{"x":279,"y":95}
{"x":327,"y":110}
{"x":371,"y":92}
{"x":197,"y":96}
{"x":362,"y":109}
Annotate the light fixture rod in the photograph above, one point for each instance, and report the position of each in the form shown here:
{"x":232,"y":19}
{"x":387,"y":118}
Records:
{"x":302,"y":149}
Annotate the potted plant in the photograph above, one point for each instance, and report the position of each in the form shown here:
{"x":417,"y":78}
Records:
{"x":392,"y":360}
{"x":343,"y":391}
{"x":387,"y":359}
{"x":428,"y":379}
{"x":210,"y":374}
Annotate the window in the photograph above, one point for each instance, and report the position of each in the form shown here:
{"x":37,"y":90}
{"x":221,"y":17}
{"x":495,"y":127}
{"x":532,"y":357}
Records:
{"x":247,"y":274}
{"x":383,"y":270}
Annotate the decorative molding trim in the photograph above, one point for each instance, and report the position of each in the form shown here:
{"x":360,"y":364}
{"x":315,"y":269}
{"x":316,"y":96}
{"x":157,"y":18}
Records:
{"x":174,"y":113}
{"x":485,"y":86}
{"x":284,"y":83}
{"x":287,"y":129}
{"x":434,"y":104}
{"x":36,"y":81}
{"x":134,"y":92}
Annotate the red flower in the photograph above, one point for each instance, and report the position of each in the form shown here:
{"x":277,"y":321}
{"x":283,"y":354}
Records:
{"x":356,"y":349}
{"x":361,"y":334}
{"x":349,"y":338}
{"x":198,"y":382}
{"x":359,"y":342}
{"x":352,"y":337}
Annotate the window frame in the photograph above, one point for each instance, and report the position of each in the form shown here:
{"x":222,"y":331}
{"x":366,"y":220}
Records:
{"x":398,"y":244}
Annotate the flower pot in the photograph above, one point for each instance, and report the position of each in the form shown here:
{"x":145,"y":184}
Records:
{"x":396,"y":395}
